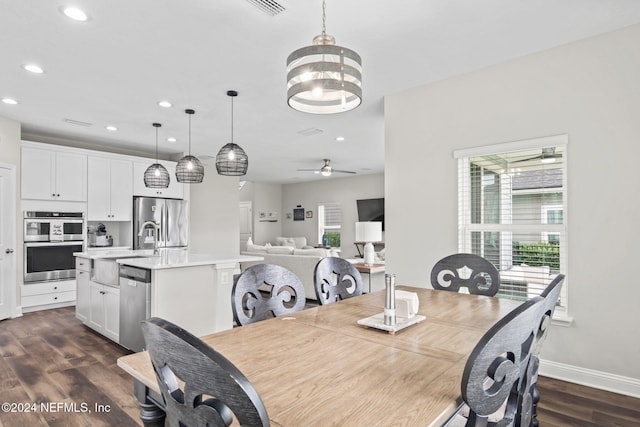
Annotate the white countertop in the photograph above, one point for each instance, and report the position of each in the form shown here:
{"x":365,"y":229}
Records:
{"x":168,"y":258}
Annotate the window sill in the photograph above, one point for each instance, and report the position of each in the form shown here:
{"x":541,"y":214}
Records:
{"x":561,"y":318}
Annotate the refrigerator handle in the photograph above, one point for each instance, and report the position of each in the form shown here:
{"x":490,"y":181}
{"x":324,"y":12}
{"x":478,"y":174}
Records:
{"x":163,"y":225}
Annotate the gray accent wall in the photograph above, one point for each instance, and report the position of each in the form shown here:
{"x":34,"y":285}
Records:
{"x":589,"y":90}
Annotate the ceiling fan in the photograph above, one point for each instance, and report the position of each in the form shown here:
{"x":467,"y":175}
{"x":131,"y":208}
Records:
{"x":548,"y":155}
{"x":325,"y":170}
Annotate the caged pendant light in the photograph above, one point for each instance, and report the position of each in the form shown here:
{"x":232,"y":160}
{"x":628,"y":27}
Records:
{"x":189,"y":169}
{"x":156,"y":175}
{"x":324,"y":78}
{"x":231,"y":159}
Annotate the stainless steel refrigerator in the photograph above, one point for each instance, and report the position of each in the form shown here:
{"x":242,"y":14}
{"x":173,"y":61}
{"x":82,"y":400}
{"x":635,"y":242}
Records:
{"x":171,"y":216}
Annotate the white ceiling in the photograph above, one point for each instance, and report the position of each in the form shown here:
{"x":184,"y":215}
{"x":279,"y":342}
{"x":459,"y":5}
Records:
{"x":113,"y":69}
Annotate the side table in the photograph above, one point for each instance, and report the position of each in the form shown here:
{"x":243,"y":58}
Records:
{"x":373,"y":270}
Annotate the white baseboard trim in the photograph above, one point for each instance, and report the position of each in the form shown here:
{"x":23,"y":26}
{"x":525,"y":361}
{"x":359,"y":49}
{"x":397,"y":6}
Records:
{"x":588,"y":377}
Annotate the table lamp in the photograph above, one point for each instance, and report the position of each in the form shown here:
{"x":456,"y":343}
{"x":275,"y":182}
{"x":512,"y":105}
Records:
{"x":368,"y":232}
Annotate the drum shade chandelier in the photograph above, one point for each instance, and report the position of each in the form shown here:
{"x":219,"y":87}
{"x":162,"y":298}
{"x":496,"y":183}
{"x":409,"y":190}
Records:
{"x":231,"y":159}
{"x":156,"y":175}
{"x":189,"y":169}
{"x":324,"y":78}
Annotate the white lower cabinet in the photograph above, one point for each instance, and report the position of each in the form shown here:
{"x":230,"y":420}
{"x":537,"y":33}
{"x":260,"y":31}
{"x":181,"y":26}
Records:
{"x":38,"y":296}
{"x":104,"y":310}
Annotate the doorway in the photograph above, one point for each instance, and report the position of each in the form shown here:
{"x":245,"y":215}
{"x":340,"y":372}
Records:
{"x":7,"y":240}
{"x":246,"y":224}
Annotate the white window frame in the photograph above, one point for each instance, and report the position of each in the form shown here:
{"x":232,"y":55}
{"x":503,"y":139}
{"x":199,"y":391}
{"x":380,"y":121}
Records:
{"x":465,"y":227}
{"x":544,"y":210}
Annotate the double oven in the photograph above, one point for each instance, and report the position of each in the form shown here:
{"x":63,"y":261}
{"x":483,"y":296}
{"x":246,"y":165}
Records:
{"x":50,"y":239}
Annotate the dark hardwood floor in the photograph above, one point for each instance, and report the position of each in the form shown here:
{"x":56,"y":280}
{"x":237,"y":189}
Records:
{"x":49,"y":356}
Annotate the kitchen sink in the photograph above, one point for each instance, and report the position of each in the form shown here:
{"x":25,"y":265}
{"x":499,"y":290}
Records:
{"x":105,"y":270}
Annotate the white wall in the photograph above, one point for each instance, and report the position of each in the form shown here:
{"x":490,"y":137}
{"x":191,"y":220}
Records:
{"x":265,"y":197}
{"x":341,"y":190}
{"x":214,"y":226}
{"x":10,"y":154}
{"x":589,"y":90}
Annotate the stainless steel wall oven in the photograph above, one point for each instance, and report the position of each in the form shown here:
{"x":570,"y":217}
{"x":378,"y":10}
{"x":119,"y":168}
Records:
{"x":50,"y":239}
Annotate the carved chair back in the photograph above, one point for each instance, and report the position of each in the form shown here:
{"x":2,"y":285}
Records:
{"x":465,"y":270}
{"x":336,"y":279}
{"x":199,"y":386}
{"x":551,"y":294}
{"x":263,"y":290}
{"x":494,"y":381}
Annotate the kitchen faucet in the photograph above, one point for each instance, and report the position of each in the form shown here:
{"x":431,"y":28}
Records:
{"x":156,"y":228}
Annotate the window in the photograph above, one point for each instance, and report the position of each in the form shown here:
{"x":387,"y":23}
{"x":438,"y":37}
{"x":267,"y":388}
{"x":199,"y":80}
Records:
{"x":512,"y":211}
{"x":329,"y":222}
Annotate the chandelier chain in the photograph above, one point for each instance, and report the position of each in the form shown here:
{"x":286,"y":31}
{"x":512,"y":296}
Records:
{"x":324,"y":17}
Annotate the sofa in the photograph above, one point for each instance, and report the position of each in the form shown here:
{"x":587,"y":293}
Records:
{"x":300,"y":261}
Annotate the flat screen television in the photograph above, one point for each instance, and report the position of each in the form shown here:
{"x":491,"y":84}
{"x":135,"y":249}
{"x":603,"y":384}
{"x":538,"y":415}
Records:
{"x":371,"y":210}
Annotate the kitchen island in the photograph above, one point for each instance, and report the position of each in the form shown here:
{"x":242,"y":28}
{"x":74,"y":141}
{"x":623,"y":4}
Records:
{"x":192,"y":290}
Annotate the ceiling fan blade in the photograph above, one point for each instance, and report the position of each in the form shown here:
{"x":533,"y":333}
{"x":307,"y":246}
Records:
{"x":527,"y":159}
{"x":308,"y":170}
{"x":341,"y":171}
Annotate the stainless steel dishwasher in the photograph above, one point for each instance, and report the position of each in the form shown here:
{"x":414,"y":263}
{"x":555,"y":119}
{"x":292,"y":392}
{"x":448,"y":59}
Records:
{"x":135,"y":305}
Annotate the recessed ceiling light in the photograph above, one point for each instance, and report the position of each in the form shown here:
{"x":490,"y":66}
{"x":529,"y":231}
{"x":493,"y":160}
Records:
{"x":164,"y":104}
{"x":9,"y":101}
{"x":171,"y":139}
{"x":33,"y":68}
{"x":111,"y":128}
{"x":75,"y":13}
{"x":339,"y":138}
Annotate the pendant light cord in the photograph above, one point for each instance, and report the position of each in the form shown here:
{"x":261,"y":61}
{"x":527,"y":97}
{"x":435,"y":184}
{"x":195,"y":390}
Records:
{"x":232,"y":119}
{"x":156,"y":144}
{"x":189,"y":134}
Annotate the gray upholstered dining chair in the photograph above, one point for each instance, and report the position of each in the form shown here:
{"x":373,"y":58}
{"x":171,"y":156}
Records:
{"x":494,"y":380}
{"x":199,"y":386}
{"x":470,"y":271}
{"x":336,"y":279}
{"x":266,"y":290}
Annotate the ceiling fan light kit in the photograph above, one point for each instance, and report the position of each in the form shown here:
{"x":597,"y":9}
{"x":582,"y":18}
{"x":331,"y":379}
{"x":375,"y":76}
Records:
{"x":156,"y":175}
{"x":232,"y":159}
{"x":324,"y":78}
{"x":189,"y":169}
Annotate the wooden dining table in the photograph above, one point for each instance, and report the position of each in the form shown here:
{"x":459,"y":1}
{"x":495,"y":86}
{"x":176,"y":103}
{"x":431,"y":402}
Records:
{"x":319,"y":367}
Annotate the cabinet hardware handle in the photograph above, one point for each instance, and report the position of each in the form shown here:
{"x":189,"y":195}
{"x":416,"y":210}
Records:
{"x":8,"y":251}
{"x":55,"y":287}
{"x":55,"y":297}
{"x":57,"y":195}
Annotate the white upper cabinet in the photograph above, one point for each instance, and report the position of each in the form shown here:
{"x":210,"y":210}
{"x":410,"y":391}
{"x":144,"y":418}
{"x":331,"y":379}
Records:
{"x":110,"y":189}
{"x":175,"y":190}
{"x":53,"y":175}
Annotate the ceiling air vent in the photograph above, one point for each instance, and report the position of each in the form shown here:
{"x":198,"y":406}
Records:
{"x":77,"y":122}
{"x":270,"y":7}
{"x":310,"y":131}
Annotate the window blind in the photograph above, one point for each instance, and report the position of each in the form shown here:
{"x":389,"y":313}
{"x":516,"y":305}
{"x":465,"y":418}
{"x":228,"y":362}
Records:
{"x":512,"y":211}
{"x":330,"y":223}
